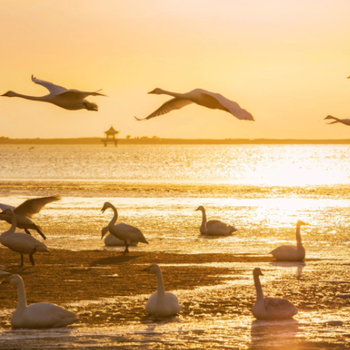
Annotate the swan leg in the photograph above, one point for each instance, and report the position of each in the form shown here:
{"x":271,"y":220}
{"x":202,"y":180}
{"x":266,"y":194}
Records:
{"x":21,"y":259}
{"x":31,"y":256}
{"x":126,"y":247}
{"x":27,"y":232}
{"x":39,"y":231}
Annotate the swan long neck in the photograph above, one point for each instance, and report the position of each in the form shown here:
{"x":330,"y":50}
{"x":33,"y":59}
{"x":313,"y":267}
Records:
{"x":115,"y":217}
{"x":22,"y":299}
{"x":32,"y":98}
{"x":12,"y":228}
{"x":160,"y":284}
{"x":259,"y":291}
{"x":174,"y":94}
{"x":204,"y":222}
{"x":298,"y":236}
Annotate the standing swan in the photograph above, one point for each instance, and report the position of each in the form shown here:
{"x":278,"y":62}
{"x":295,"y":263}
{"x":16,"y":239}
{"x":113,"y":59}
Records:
{"x":112,"y":241}
{"x":270,"y":308}
{"x":214,"y":227}
{"x":291,"y":252}
{"x":66,"y":98}
{"x":40,"y":315}
{"x":200,"y":97}
{"x":124,"y":232}
{"x":337,"y":120}
{"x":25,"y":211}
{"x":20,"y":242}
{"x":161,"y":303}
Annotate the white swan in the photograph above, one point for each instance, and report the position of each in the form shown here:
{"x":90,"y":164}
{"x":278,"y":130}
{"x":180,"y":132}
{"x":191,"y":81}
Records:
{"x":112,"y":241}
{"x":25,"y":211}
{"x":20,"y":242}
{"x":270,"y":308}
{"x":161,"y":303}
{"x":337,"y":120}
{"x":39,"y":315}
{"x":66,"y":98}
{"x":200,"y":97}
{"x":124,"y":232}
{"x":291,"y":252}
{"x":214,"y":227}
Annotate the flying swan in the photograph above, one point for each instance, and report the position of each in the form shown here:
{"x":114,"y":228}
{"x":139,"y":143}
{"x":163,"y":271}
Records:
{"x":270,"y":308}
{"x":161,"y":303}
{"x":124,"y":232}
{"x":291,"y":252}
{"x":66,"y":98}
{"x":200,"y":97}
{"x":25,"y":211}
{"x":39,"y":315}
{"x":337,"y":120}
{"x":20,"y":242}
{"x":214,"y":227}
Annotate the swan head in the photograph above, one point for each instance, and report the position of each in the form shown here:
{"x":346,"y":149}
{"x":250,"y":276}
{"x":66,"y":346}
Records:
{"x":201,"y":208}
{"x":301,"y":223}
{"x":106,"y":205}
{"x":9,"y":94}
{"x":104,"y":231}
{"x":257,"y":272}
{"x":156,"y":91}
{"x":328,"y":117}
{"x":152,"y":268}
{"x":16,"y":279}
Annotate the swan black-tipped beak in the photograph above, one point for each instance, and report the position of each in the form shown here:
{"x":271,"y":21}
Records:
{"x":147,"y":269}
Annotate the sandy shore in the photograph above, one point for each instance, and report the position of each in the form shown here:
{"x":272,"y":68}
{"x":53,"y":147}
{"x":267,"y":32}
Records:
{"x":72,"y":277}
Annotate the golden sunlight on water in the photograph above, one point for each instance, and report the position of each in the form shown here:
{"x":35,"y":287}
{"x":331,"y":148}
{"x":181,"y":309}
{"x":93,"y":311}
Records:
{"x":262,"y":191}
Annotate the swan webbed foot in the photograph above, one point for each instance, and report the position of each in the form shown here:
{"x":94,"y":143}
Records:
{"x":27,"y":232}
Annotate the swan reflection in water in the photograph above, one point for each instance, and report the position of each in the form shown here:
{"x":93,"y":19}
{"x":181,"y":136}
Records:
{"x":298,"y":265}
{"x":274,"y":333}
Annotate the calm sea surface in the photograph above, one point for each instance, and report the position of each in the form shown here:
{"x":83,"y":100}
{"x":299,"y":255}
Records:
{"x":262,"y":189}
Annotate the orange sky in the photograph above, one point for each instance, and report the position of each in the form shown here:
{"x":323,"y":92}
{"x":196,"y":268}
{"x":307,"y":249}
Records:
{"x":284,"y":61}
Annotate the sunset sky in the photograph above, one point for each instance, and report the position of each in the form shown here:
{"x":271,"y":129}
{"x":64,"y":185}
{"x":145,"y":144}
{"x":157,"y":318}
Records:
{"x":286,"y":62}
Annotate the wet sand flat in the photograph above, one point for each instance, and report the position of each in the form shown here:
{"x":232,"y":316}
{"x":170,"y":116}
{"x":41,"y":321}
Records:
{"x":77,"y":278}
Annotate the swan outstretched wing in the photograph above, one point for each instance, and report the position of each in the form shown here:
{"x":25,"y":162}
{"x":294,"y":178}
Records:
{"x":79,"y":95}
{"x":5,"y":206}
{"x":175,"y":103}
{"x":227,"y":105}
{"x":33,"y":206}
{"x":54,"y":89}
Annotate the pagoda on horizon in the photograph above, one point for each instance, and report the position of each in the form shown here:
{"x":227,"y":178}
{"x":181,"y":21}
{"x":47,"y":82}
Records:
{"x":111,"y":136}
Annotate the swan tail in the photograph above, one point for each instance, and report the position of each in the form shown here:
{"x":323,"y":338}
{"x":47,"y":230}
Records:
{"x":332,"y":122}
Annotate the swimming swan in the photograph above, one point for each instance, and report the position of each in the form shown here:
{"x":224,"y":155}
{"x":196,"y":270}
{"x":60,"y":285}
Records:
{"x":112,"y":241}
{"x":66,"y":98}
{"x":40,"y":315}
{"x":124,"y":232}
{"x":337,"y":120}
{"x":20,"y":242}
{"x":214,"y":227}
{"x":270,"y":308}
{"x":291,"y":252}
{"x":25,"y":211}
{"x":200,"y":97}
{"x":161,"y":303}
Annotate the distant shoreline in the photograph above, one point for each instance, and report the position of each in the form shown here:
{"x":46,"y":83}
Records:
{"x":161,"y":141}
